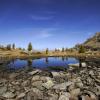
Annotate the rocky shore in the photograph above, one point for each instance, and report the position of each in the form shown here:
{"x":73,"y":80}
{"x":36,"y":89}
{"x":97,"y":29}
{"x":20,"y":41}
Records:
{"x":76,"y":83}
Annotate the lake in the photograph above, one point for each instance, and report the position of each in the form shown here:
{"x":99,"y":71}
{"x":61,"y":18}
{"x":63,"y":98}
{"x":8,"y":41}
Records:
{"x":42,"y":63}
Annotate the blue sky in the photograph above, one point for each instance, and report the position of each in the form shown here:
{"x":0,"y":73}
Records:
{"x":48,"y":23}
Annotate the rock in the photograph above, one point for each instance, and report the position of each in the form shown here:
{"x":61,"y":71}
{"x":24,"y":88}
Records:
{"x":37,"y":94}
{"x":53,"y":97}
{"x":38,"y":84}
{"x":64,"y":96}
{"x":75,"y":92}
{"x":3,"y":90}
{"x":36,"y":78}
{"x":55,"y":74}
{"x":9,"y":95}
{"x":34,"y":72}
{"x":71,"y":87}
{"x":92,"y":95}
{"x":21,"y":95}
{"x":79,"y":84}
{"x":91,"y":73}
{"x":26,"y":83}
{"x":77,"y":65}
{"x":13,"y":75}
{"x":48,"y":84}
{"x":62,"y":86}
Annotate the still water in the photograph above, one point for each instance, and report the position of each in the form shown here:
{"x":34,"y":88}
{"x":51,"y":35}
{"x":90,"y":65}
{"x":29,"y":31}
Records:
{"x":42,"y":63}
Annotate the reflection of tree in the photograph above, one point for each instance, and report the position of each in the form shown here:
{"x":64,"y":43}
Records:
{"x":66,"y":58}
{"x":46,"y":60}
{"x":80,"y":62}
{"x":29,"y":62}
{"x":63,"y":58}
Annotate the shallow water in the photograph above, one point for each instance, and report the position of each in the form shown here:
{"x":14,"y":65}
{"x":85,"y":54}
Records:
{"x":42,"y":63}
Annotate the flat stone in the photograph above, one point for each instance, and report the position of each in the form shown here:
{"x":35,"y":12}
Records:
{"x":21,"y":95}
{"x":64,"y":96}
{"x":3,"y":90}
{"x":75,"y":92}
{"x":77,"y":65}
{"x":53,"y":97}
{"x":48,"y":84}
{"x":37,"y":93}
{"x":34,"y":72}
{"x":13,"y":75}
{"x":9,"y":95}
{"x":62,"y":86}
{"x":26,"y":83}
{"x":79,"y":84}
{"x":36,"y":78}
{"x":55,"y":74}
{"x":38,"y":84}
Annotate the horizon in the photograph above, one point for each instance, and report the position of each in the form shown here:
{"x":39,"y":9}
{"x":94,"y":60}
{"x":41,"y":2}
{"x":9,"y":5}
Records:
{"x":48,"y":23}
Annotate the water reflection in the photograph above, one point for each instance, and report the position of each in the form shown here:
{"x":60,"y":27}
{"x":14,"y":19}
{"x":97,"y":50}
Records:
{"x":43,"y":63}
{"x":29,"y":62}
{"x":46,"y":60}
{"x":63,"y":58}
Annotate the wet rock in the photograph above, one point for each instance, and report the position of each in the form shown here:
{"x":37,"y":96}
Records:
{"x":48,"y":84}
{"x":62,"y":86}
{"x":9,"y":95}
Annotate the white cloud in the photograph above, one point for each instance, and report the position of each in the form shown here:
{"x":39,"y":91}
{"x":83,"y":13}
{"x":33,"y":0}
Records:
{"x":45,"y":34}
{"x":35,"y":17}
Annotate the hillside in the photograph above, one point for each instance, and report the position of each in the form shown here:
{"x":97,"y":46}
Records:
{"x":94,"y":42}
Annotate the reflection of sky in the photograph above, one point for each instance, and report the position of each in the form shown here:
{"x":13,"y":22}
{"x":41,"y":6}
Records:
{"x":44,"y":62}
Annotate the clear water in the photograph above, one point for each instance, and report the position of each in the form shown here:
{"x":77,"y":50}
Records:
{"x":42,"y":63}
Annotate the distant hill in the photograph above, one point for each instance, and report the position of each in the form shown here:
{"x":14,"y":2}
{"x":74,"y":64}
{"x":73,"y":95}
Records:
{"x":93,"y":42}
